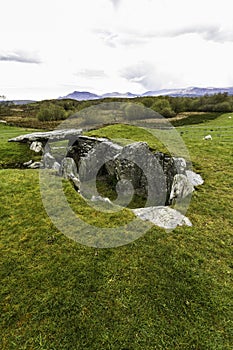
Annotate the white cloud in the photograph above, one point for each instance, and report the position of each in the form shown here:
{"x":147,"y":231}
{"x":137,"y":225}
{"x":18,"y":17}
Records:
{"x":111,"y":45}
{"x":115,"y":3}
{"x":91,"y":73}
{"x":19,"y":56}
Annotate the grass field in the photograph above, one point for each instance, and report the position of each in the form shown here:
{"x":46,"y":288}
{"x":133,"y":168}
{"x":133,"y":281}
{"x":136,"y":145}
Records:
{"x":164,"y":291}
{"x":13,"y":154}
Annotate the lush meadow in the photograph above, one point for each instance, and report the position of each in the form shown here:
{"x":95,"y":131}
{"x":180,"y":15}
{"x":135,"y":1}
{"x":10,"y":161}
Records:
{"x":166,"y":290}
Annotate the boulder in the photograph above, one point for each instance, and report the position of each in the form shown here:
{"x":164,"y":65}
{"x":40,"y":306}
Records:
{"x":82,"y":146}
{"x":68,"y":170}
{"x":164,"y":217}
{"x":68,"y":167}
{"x":50,"y":162}
{"x":98,"y":158}
{"x":181,"y":187}
{"x":137,"y":164}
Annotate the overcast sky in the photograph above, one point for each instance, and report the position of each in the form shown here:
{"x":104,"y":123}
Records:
{"x":50,"y":48}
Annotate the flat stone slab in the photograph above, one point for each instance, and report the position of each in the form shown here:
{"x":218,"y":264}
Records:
{"x":49,"y":135}
{"x":161,"y":216}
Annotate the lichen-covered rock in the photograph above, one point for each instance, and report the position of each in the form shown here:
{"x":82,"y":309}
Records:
{"x":68,"y":167}
{"x":96,"y":159}
{"x":49,"y":161}
{"x":68,"y":170}
{"x":161,"y":216}
{"x":181,"y":187}
{"x":194,"y":178}
{"x":82,"y":145}
{"x":136,"y":163}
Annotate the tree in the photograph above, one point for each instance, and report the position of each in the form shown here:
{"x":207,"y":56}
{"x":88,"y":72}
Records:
{"x":162,"y":106}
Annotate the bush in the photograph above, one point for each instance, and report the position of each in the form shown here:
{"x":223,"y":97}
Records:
{"x":51,"y":112}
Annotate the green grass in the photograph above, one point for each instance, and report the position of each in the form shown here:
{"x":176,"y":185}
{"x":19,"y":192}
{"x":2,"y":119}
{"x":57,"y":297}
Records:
{"x":195,"y":118}
{"x":167,"y":290}
{"x":14,"y":154}
{"x":126,"y":134}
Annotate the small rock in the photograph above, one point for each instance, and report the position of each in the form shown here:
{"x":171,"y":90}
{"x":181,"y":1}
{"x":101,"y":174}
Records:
{"x":194,"y":178}
{"x":207,"y":137}
{"x":36,"y":146}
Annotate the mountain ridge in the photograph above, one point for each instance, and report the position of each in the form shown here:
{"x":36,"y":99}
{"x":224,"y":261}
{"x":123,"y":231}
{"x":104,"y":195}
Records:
{"x":192,"y":91}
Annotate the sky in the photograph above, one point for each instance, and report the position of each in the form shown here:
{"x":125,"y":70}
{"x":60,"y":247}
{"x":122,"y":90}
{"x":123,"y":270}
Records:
{"x":50,"y":48}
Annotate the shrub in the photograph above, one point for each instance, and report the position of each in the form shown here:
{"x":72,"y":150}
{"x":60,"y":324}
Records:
{"x":51,"y":112}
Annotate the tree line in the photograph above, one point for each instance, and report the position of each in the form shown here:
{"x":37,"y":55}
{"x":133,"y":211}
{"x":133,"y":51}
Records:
{"x":167,"y":106}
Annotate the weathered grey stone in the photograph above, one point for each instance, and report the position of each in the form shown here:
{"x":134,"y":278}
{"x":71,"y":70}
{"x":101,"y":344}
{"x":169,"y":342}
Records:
{"x":3,"y":122}
{"x":36,"y":146}
{"x":35,"y":165}
{"x":28,"y":163}
{"x":194,"y":178}
{"x":100,"y":199}
{"x":181,"y":187}
{"x":139,"y":166}
{"x":68,"y":170}
{"x":48,"y":160}
{"x":170,"y":169}
{"x":97,"y":158}
{"x":180,"y":165}
{"x":49,"y":135}
{"x":75,"y":181}
{"x":68,"y":167}
{"x":56,"y":166}
{"x":82,"y":146}
{"x":161,"y":216}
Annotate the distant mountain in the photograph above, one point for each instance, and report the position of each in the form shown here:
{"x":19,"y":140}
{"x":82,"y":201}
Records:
{"x":81,"y":96}
{"x":189,"y":92}
{"x":118,"y":94}
{"x":186,"y":92}
{"x":85,"y":95}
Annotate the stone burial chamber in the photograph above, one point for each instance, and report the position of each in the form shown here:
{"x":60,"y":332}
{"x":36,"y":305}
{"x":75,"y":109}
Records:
{"x":161,"y":179}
